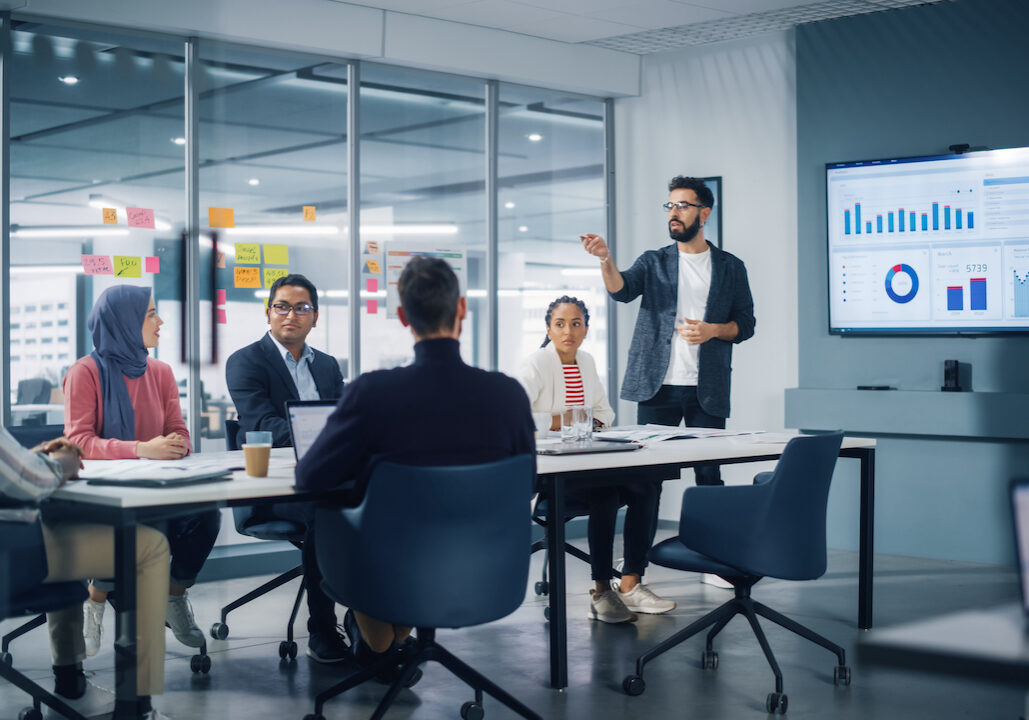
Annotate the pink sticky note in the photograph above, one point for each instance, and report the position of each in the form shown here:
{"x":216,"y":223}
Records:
{"x":221,"y":317}
{"x":140,"y":217}
{"x":372,"y":284}
{"x":219,"y":297}
{"x":97,"y":265}
{"x":153,"y":264}
{"x":373,"y":307}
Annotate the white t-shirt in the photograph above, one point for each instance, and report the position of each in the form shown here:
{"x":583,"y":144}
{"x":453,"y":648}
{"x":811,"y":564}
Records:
{"x":694,"y":285}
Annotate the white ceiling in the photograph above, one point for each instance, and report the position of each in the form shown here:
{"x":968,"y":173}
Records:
{"x":636,"y":26}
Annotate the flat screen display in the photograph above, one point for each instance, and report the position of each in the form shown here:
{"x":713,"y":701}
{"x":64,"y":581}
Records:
{"x":934,"y":244}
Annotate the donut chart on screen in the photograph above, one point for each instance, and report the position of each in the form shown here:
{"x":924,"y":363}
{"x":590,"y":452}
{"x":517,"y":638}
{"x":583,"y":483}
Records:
{"x":902,"y":269}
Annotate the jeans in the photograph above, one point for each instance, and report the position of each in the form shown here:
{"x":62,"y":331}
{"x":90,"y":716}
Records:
{"x":637,"y":535}
{"x":673,"y":403}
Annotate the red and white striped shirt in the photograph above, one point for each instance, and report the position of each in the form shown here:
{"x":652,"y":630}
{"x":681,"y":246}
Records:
{"x":574,"y":393}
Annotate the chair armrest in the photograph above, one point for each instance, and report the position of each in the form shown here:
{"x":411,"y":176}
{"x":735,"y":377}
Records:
{"x":763,"y":477}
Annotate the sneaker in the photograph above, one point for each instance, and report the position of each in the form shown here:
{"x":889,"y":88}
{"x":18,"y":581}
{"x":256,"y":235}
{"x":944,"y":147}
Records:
{"x":93,"y":625}
{"x":327,"y":647}
{"x":180,"y":620}
{"x":608,"y":607}
{"x":642,"y":599}
{"x":715,"y":581}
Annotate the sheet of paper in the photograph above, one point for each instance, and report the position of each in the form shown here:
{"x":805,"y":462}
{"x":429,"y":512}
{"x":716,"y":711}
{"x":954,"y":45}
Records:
{"x":97,"y":265}
{"x":140,"y":217}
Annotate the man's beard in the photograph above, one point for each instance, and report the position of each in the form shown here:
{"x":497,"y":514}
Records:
{"x":686,"y":234}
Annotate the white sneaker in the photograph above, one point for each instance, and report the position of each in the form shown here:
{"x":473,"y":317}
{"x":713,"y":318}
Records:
{"x":642,"y":599}
{"x":607,"y":607}
{"x":181,"y":622}
{"x":92,"y":625}
{"x":156,"y":714}
{"x":715,"y":581}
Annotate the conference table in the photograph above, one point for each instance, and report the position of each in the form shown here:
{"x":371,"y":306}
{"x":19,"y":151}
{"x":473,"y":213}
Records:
{"x":127,"y":507}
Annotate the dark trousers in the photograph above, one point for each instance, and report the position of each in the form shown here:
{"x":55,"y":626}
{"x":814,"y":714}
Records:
{"x":674,"y":403}
{"x":637,"y":535}
{"x":190,"y":540}
{"x":320,"y":607}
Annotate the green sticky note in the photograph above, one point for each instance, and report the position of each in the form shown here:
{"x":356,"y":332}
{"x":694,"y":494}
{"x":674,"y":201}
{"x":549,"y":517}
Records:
{"x":126,"y":266}
{"x":248,"y":253}
{"x":276,"y":254}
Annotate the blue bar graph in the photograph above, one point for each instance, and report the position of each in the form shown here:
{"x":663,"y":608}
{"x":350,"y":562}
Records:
{"x":946,"y":217}
{"x":900,"y":219}
{"x":912,"y":215}
{"x":971,"y":225}
{"x":889,"y":222}
{"x":857,"y":218}
{"x":878,"y":223}
{"x":955,"y":298}
{"x":925,"y":222}
{"x":868,"y":227}
{"x":1021,"y":294}
{"x":846,"y":222}
{"x":957,"y":218}
{"x":936,"y":216}
{"x":977,"y":293}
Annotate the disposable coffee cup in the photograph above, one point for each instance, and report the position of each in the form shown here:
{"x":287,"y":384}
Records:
{"x":255,"y":458}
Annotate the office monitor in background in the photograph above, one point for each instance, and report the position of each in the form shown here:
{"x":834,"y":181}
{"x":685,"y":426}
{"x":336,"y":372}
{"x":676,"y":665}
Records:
{"x":306,"y":420}
{"x":929,"y":245}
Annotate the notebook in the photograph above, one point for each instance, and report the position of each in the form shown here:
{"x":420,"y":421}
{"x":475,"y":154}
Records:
{"x":556,"y":447}
{"x":1020,"y":513}
{"x":155,"y":474}
{"x":306,"y":420}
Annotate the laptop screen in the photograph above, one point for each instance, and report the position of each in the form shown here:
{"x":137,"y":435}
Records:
{"x":1020,"y":506}
{"x":306,"y":420}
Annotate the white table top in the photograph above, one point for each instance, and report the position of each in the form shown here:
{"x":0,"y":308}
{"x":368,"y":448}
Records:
{"x":280,"y":480}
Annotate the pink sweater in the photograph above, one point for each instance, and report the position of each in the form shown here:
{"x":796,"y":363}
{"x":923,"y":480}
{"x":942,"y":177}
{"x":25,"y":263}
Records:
{"x":155,"y":400}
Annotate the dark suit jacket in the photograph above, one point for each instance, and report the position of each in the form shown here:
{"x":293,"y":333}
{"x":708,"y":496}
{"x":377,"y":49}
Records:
{"x":655,"y":276}
{"x":437,"y":411}
{"x":260,"y":385}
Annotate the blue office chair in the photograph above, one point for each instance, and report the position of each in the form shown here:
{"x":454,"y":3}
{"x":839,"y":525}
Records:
{"x":259,"y":523}
{"x":774,"y":528}
{"x":411,"y":518}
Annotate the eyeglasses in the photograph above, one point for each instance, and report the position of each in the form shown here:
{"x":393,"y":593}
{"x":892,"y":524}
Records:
{"x":299,"y":309}
{"x":681,"y":205}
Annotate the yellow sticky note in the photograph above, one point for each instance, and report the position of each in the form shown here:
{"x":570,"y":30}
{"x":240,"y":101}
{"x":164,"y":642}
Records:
{"x":126,"y":266}
{"x":110,"y":216}
{"x":247,"y":277}
{"x":276,"y":254}
{"x":221,"y":217}
{"x":248,"y":253}
{"x":308,"y":213}
{"x":373,"y":266}
{"x":273,"y":274}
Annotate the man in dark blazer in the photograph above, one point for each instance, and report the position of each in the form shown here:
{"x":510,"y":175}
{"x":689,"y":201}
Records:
{"x":261,"y":377}
{"x":436,"y":411}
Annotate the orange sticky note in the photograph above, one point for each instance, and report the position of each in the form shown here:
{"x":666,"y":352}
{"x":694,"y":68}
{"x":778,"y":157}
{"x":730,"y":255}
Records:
{"x":219,"y":259}
{"x":153,"y":264}
{"x":221,"y":217}
{"x":110,"y":216}
{"x":140,"y":217}
{"x":308,"y":213}
{"x":373,"y":266}
{"x":97,"y":265}
{"x":247,"y":277}
{"x":373,"y":307}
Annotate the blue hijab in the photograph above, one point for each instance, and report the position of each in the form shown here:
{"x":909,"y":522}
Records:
{"x":116,"y":322}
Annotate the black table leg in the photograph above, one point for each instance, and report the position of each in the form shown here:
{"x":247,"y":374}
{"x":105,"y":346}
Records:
{"x":866,"y":550}
{"x":558,"y":615}
{"x":125,"y":660}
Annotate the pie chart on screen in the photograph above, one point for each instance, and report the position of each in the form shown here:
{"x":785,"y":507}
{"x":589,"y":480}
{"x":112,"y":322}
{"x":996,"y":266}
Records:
{"x":901,"y":283}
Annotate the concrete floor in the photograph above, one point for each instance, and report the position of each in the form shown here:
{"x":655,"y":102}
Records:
{"x":248,"y":680}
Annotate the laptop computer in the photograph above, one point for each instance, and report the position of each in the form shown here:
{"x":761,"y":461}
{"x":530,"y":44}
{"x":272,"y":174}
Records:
{"x":1020,"y":515}
{"x":584,"y":447}
{"x":306,"y":419}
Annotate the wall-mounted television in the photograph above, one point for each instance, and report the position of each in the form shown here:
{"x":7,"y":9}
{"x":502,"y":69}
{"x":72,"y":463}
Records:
{"x":929,"y":245}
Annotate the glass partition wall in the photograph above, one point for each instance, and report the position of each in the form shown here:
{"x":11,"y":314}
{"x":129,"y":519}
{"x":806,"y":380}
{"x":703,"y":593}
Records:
{"x":98,"y":195}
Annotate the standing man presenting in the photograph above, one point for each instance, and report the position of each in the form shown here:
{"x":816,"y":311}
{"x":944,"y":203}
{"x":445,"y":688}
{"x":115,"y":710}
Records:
{"x":696,"y":304}
{"x":261,"y":377}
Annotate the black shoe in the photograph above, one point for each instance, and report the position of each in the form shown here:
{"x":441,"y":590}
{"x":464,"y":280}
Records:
{"x":327,"y":646}
{"x":365,"y":656}
{"x":69,"y":681}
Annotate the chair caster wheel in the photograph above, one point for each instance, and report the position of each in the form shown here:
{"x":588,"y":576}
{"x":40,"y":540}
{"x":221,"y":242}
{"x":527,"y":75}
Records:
{"x":30,"y":714}
{"x":633,"y":685}
{"x":542,"y":587}
{"x":200,"y":664}
{"x":472,"y":711}
{"x":6,"y":658}
{"x":288,"y":649}
{"x":841,"y":675}
{"x":219,"y":631}
{"x":709,"y":660}
{"x":776,"y":702}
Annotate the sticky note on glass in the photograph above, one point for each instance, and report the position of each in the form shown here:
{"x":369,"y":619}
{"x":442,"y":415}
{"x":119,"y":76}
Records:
{"x":219,"y":297}
{"x":110,"y":216}
{"x":248,"y":253}
{"x":308,"y":213}
{"x":127,"y":266}
{"x":219,"y":259}
{"x":373,"y":307}
{"x":371,"y":247}
{"x":273,"y":274}
{"x":153,"y":264}
{"x":276,"y":254}
{"x":373,"y":266}
{"x":247,"y":277}
{"x":221,"y":217}
{"x":140,"y":217}
{"x":97,"y":265}
{"x":221,"y":317}
{"x":372,"y":284}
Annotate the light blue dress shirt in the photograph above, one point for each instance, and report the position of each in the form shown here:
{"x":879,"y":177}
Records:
{"x":300,"y":370}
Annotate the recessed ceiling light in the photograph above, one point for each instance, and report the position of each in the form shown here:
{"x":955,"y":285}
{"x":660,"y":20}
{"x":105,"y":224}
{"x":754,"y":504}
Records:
{"x":253,"y":181}
{"x":179,"y":140}
{"x":523,"y":228}
{"x":509,"y":205}
{"x":68,"y":79}
{"x":534,"y":137}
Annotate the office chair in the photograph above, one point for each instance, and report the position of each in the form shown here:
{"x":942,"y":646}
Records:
{"x":34,"y":391}
{"x":773,"y":528}
{"x":264,"y":526}
{"x":410,"y":519}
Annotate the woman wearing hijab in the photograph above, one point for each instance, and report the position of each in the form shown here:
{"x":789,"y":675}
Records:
{"x":122,"y":403}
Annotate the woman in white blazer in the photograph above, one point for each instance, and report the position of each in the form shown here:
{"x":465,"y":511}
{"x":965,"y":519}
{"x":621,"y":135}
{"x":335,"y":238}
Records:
{"x":559,"y":375}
